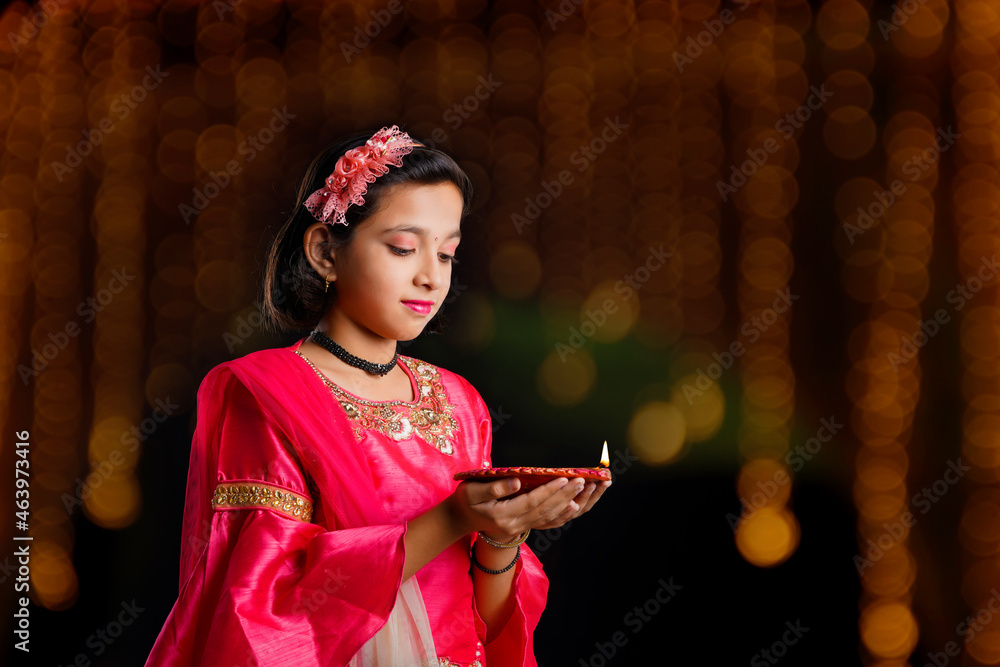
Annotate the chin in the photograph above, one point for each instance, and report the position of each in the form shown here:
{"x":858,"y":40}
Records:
{"x":406,"y":336}
{"x":410,"y":335}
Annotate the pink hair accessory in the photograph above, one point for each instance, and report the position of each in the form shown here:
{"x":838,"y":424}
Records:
{"x":355,"y":170}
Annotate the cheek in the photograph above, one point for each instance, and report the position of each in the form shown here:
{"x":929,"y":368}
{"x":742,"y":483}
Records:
{"x":359,"y":287}
{"x":381,"y":285}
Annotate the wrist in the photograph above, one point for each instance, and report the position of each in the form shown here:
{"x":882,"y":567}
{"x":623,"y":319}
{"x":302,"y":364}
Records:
{"x":505,"y":542}
{"x":457,"y":523}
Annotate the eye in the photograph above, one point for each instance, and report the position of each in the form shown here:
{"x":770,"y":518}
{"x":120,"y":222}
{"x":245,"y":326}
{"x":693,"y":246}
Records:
{"x":401,"y":251}
{"x":448,"y":258}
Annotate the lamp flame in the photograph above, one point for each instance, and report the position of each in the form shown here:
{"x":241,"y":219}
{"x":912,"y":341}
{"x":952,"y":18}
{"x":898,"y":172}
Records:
{"x":605,"y":459}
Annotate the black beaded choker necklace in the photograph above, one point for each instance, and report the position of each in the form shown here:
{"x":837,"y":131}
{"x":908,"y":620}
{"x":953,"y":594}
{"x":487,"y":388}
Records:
{"x":348,"y":358}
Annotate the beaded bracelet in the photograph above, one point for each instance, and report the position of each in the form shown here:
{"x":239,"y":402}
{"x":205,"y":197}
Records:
{"x":472,"y":554}
{"x":504,"y":545}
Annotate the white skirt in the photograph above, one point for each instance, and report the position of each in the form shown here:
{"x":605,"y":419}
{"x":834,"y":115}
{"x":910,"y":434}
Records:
{"x":405,"y":640}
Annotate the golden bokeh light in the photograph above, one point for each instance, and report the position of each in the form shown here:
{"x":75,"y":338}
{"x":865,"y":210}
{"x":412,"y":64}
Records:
{"x":114,"y":502}
{"x":893,"y":575}
{"x":769,"y":119}
{"x":842,"y":24}
{"x":922,"y":33}
{"x":768,"y":536}
{"x":888,"y":629}
{"x":703,"y":410}
{"x":984,"y":646}
{"x":566,"y":380}
{"x":611,"y":314}
{"x":53,"y":578}
{"x":515,"y":270}
{"x":976,"y":200}
{"x":656,"y":433}
{"x":764,"y":482}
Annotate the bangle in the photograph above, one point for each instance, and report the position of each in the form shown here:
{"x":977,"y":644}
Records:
{"x":504,"y":545}
{"x":472,"y":555}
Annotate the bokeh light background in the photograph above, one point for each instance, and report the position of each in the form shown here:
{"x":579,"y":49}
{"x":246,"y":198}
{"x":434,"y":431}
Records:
{"x":752,"y":245}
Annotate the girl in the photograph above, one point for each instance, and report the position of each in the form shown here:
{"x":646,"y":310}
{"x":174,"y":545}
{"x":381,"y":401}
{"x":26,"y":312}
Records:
{"x":322,"y":522}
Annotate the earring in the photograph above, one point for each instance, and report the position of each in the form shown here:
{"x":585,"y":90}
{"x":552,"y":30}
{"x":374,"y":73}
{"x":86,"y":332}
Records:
{"x":327,"y":289}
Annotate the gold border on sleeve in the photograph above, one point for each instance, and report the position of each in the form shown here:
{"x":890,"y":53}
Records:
{"x":260,"y":495}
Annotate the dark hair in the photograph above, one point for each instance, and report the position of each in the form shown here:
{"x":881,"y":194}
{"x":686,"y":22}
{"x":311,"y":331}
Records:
{"x":294,"y":294}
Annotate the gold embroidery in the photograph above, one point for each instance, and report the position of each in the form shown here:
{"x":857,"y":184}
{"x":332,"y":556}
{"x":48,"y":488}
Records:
{"x":446,"y":662}
{"x":428,"y":417}
{"x":260,"y":495}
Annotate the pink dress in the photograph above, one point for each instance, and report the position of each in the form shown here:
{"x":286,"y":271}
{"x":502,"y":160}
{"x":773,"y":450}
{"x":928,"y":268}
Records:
{"x":297,"y":497}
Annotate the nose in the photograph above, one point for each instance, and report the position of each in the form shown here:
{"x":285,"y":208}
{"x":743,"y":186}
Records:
{"x":432,"y":272}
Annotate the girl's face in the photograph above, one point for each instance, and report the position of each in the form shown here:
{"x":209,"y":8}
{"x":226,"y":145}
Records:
{"x":393,"y":277}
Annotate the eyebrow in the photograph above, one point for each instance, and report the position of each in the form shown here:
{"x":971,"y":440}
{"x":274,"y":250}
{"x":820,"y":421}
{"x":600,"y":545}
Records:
{"x":419,"y":231}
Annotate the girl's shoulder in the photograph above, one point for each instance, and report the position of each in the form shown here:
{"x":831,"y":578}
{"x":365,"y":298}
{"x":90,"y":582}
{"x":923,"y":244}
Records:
{"x":265,"y":368}
{"x":268,"y":359}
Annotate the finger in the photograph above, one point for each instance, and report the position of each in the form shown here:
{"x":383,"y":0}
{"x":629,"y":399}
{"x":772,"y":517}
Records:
{"x":481,"y":492}
{"x":553,"y":506}
{"x":592,"y":492}
{"x":561,"y":520}
{"x":595,"y":495}
{"x":543,"y":501}
{"x":526,"y":502}
{"x":505,"y":487}
{"x":582,"y":497}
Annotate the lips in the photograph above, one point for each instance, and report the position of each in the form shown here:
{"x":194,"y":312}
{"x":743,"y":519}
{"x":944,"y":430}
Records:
{"x":419,"y":307}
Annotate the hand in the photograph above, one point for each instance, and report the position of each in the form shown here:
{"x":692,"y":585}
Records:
{"x":479,"y":506}
{"x":586,"y":499}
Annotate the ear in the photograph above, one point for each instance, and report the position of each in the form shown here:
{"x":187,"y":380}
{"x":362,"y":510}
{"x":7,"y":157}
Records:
{"x":315,"y":237}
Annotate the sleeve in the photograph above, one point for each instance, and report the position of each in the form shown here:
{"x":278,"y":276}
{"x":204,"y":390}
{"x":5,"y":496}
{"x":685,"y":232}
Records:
{"x":260,"y":585}
{"x":514,"y":645}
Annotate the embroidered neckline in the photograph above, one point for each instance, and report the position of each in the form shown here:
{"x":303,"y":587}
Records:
{"x":414,"y":384}
{"x":429,"y":416}
{"x":403,"y":363}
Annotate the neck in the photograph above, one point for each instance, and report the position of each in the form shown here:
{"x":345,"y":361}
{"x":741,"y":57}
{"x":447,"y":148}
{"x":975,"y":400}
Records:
{"x":358,"y":342}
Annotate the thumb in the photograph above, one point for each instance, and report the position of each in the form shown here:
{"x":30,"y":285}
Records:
{"x":506,"y":487}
